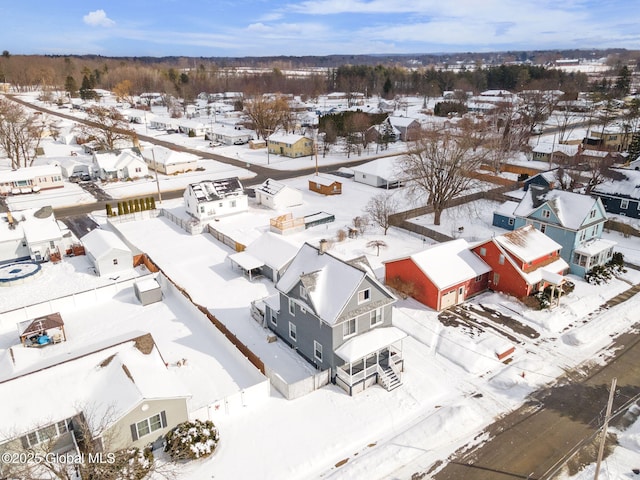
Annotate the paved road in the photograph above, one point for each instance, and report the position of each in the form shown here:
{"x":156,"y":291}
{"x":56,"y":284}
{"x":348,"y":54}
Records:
{"x":533,"y":441}
{"x":262,"y":172}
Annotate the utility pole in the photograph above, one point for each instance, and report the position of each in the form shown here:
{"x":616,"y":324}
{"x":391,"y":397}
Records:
{"x":603,"y":434}
{"x":153,"y":155}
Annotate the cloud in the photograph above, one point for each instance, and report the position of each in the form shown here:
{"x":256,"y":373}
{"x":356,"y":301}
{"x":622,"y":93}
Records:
{"x":98,"y":19}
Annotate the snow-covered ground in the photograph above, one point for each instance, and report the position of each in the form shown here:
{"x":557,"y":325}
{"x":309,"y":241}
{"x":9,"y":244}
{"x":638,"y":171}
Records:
{"x":376,"y":434}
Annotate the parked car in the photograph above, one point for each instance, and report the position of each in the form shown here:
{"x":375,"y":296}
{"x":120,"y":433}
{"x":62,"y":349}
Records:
{"x":239,"y":142}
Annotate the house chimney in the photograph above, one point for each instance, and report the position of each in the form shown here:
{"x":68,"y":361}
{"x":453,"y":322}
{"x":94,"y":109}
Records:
{"x":538,"y":193}
{"x":322,"y":247}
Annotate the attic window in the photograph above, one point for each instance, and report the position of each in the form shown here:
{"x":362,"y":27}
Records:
{"x":483,"y":252}
{"x":364,"y":295}
{"x":303,"y":292}
{"x":546,"y":214}
{"x":592,"y":213}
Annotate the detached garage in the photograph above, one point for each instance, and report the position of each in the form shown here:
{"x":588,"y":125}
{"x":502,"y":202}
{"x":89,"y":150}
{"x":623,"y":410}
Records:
{"x":107,"y":252}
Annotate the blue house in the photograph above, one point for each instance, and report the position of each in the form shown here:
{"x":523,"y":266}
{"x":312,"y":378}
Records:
{"x":621,"y":194}
{"x":337,"y":316}
{"x":503,"y":216}
{"x":550,"y":179}
{"x":573,"y":220}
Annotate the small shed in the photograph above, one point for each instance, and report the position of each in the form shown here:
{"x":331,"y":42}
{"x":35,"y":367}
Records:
{"x":147,"y":291}
{"x":42,"y":331}
{"x":325,"y":185}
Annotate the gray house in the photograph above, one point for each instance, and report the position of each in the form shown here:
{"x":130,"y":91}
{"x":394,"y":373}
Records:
{"x":337,"y":316}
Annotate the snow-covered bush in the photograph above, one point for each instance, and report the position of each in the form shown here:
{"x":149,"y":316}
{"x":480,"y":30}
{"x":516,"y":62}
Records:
{"x":191,"y":440}
{"x":604,"y":273}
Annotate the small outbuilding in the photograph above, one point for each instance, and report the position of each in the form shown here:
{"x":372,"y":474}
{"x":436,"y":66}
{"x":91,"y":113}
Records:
{"x":147,"y":291}
{"x":325,"y":185}
{"x":277,"y":195}
{"x":108,"y":253}
{"x":42,"y":331}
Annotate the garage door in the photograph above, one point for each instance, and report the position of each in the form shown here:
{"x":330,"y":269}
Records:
{"x":448,"y":299}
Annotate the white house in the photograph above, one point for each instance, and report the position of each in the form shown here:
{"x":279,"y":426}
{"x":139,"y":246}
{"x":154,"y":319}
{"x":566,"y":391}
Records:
{"x":383,"y":172}
{"x":31,"y":234}
{"x":215,"y":198}
{"x":119,"y":165}
{"x":276,"y":195}
{"x":269,"y":254}
{"x":30,"y":179}
{"x":164,"y":123}
{"x":229,"y":134}
{"x":108,"y":254}
{"x":167,"y":161}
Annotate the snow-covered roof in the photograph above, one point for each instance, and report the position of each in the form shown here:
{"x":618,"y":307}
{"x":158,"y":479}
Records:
{"x":386,"y":168}
{"x":527,"y":243}
{"x":548,"y":148}
{"x":322,"y":180}
{"x":449,"y":263}
{"x":402,"y":122}
{"x":330,"y":282}
{"x":29,"y":172}
{"x":570,"y":208}
{"x":166,"y":156}
{"x":271,"y":187}
{"x":101,"y":242}
{"x":210,"y":190}
{"x":147,"y":284}
{"x":38,"y":225}
{"x":372,"y":341}
{"x":272,"y":250}
{"x":289,"y":138}
{"x":627,"y":186}
{"x":246,"y":260}
{"x":114,"y":161}
{"x":109,"y":381}
{"x":507,"y":208}
{"x":593,"y":247}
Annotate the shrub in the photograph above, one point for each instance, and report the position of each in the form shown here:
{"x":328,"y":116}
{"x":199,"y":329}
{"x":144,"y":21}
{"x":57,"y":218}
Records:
{"x":341,"y":235}
{"x":604,"y":273}
{"x":191,"y":440}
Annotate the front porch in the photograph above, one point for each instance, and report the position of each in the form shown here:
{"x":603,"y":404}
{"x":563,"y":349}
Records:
{"x":593,"y":253}
{"x":374,"y":357}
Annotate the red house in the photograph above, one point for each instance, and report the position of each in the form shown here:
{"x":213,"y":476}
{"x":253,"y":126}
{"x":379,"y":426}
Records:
{"x":443,"y":275}
{"x":523,"y":261}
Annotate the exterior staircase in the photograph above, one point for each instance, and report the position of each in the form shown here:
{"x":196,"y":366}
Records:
{"x":389,"y":378}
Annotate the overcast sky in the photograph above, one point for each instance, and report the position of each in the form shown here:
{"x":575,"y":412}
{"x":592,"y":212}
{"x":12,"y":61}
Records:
{"x":312,"y":27}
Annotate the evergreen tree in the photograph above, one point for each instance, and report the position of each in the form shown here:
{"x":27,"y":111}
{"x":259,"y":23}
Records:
{"x":634,"y":147}
{"x":71,"y":86}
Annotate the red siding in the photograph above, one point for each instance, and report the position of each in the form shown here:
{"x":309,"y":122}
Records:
{"x":510,"y":281}
{"x":426,"y":292}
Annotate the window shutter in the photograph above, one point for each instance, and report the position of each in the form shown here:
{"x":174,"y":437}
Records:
{"x":163,"y":418}
{"x":134,"y":432}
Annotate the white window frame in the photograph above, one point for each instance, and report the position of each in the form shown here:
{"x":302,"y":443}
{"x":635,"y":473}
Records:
{"x":152,"y":427}
{"x":501,"y":259}
{"x":346,"y":330}
{"x":546,"y":214}
{"x":274,"y":318}
{"x":293,"y":332}
{"x":483,"y":252}
{"x":317,"y":348}
{"x":496,"y":278}
{"x":292,"y":307}
{"x":624,"y":204}
{"x":364,"y":295}
{"x":303,"y":292}
{"x":376,"y":317}
{"x":543,"y":228}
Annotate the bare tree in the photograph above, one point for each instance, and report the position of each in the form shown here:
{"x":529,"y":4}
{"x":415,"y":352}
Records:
{"x":122,"y":90}
{"x":380,"y":208}
{"x":20,"y":133}
{"x":267,"y":115}
{"x":438,"y":166}
{"x":107,"y":127}
{"x":377,"y":244}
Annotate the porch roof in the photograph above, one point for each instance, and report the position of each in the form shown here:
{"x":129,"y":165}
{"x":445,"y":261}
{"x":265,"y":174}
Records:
{"x":369,"y":342}
{"x":246,"y":261}
{"x":594,"y":247}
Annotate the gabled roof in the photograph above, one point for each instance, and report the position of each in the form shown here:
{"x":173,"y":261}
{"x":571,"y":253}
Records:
{"x":401,"y":122}
{"x":527,"y":243}
{"x":387,"y":168}
{"x":29,"y":172}
{"x":570,"y":208}
{"x":166,"y":156}
{"x":330,"y":282}
{"x":289,"y":138}
{"x":324,"y":181}
{"x":209,"y":190}
{"x":548,"y":148}
{"x":449,"y":263}
{"x":114,"y":161}
{"x":41,"y":226}
{"x":100,"y":242}
{"x":106,"y":384}
{"x":627,"y":186}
